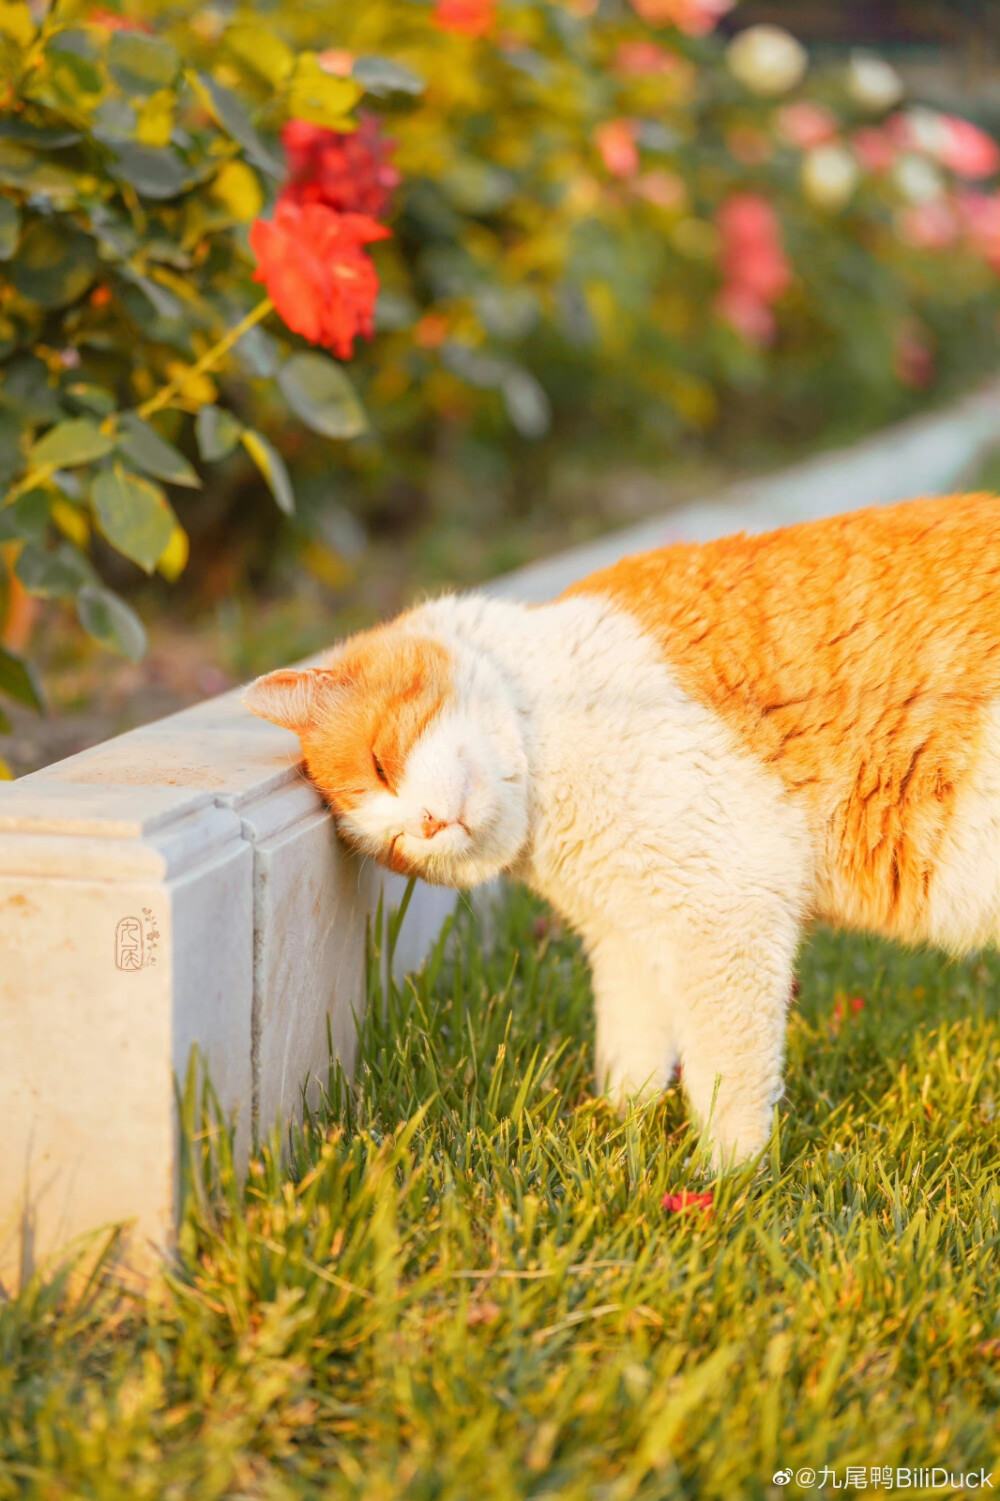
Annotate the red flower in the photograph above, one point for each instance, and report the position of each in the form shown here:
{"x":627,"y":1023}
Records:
{"x":348,"y":171}
{"x":471,"y":17}
{"x":678,"y":1202}
{"x":322,"y":283}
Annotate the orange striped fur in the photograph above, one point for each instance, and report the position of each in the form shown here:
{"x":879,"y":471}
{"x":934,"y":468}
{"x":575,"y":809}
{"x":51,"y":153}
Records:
{"x":857,"y":657}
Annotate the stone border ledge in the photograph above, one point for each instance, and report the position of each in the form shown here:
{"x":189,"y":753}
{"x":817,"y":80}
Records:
{"x":181,"y":885}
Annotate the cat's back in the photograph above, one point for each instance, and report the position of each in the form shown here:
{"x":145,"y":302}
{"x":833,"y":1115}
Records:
{"x":858,"y":657}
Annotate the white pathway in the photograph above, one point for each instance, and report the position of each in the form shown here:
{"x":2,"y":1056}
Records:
{"x":181,"y":885}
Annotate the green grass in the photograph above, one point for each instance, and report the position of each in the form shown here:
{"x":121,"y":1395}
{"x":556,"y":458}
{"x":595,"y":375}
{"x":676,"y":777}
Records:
{"x":464,"y":1285}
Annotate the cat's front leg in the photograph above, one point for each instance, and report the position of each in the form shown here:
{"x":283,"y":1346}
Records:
{"x":636,"y":1045}
{"x":737,"y":979}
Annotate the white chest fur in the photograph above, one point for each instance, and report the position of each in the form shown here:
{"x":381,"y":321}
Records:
{"x":685,"y":865}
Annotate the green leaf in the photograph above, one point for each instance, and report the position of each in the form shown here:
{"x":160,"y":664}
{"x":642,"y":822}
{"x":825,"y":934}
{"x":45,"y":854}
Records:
{"x":53,"y":575}
{"x":272,"y":467}
{"x":26,"y":519}
{"x":319,"y":392}
{"x":90,"y":398}
{"x":153,"y":454}
{"x":380,"y":75}
{"x":233,"y":117}
{"x":20,"y":167}
{"x":54,"y":265}
{"x":11,"y":433}
{"x":48,"y":137}
{"x":163,"y":302}
{"x":257,"y":352}
{"x":78,"y":441}
{"x":110,"y":620}
{"x":18,"y":681}
{"x":154,"y":171}
{"x":25,"y":392}
{"x":217,"y":432}
{"x":71,"y":68}
{"x":10,"y":228}
{"x":5,"y":728}
{"x":141,"y":64}
{"x":134,"y":515}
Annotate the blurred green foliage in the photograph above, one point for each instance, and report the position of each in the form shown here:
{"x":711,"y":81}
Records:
{"x":562,"y":264}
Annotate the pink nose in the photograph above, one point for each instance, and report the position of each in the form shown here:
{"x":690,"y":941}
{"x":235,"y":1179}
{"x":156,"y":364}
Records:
{"x":431,"y":825}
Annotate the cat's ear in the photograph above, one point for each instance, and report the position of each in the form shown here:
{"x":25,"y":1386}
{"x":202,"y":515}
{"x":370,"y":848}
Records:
{"x":291,"y":698}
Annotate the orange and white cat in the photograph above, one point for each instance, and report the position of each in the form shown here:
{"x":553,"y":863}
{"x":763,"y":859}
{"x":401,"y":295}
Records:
{"x":691,"y":754}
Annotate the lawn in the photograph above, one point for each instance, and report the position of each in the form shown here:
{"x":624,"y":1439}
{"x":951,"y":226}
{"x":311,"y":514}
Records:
{"x":463,"y":1284}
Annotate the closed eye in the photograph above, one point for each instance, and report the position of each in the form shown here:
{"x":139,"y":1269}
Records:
{"x":379,"y":770}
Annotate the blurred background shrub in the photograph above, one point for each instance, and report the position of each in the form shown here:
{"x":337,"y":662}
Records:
{"x":641,"y":234}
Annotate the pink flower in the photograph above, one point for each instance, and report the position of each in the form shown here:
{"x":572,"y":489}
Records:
{"x":952,"y":142}
{"x":664,"y":189}
{"x":875,"y":149}
{"x":615,"y":140}
{"x":676,"y":1203}
{"x":806,"y":125}
{"x":645,"y":60}
{"x":932,"y":225}
{"x":694,"y":17}
{"x":747,"y":218}
{"x":755,"y":268}
{"x":753,"y":258}
{"x":746,"y":313}
{"x":968,"y":151}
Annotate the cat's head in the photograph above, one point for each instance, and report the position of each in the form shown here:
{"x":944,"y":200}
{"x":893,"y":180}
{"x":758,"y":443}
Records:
{"x":417,"y":747}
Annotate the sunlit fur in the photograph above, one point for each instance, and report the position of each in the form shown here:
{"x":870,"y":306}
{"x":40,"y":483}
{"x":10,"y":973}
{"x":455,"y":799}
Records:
{"x":690,"y":755}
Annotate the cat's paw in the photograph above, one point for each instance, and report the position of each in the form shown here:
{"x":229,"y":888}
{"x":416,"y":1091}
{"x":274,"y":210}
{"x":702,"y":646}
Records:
{"x":624,"y":1092}
{"x":735,"y":1138}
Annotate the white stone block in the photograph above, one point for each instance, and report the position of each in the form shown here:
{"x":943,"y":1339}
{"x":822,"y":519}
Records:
{"x":125,"y":937}
{"x":181,"y":886}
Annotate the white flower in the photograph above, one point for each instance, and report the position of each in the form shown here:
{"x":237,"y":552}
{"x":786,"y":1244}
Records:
{"x":917,"y":179}
{"x":927,"y":130}
{"x":873,"y":83}
{"x":767,"y":60}
{"x":829,"y":177}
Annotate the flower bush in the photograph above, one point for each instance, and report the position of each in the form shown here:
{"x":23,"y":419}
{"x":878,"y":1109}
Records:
{"x":503,"y":219}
